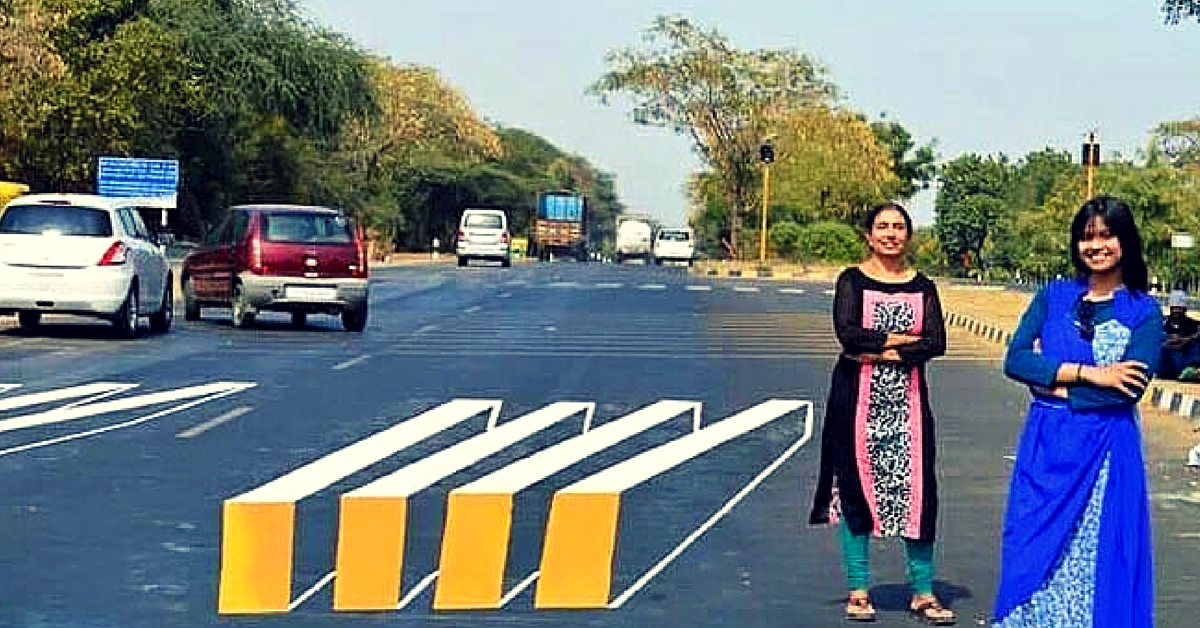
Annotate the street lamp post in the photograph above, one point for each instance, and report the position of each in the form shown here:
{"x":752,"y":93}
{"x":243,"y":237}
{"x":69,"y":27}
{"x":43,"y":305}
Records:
{"x":1091,"y":159}
{"x":766,"y":154}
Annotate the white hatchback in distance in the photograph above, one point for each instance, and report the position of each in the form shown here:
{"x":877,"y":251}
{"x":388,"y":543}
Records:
{"x":675,"y":245}
{"x":483,"y":234}
{"x":83,"y":255}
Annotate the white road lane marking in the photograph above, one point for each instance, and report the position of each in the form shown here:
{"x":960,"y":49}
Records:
{"x":321,"y":584}
{"x":791,"y":291}
{"x":197,"y":430}
{"x":652,"y":286}
{"x":418,"y":590}
{"x":699,"y":288}
{"x":473,"y":309}
{"x":349,"y":363}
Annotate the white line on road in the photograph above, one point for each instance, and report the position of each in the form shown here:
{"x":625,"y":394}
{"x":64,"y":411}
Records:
{"x":349,"y":363}
{"x":564,"y":284}
{"x":745,"y":289}
{"x":120,"y":426}
{"x":7,"y":387}
{"x":504,"y":295}
{"x":473,"y":309}
{"x":713,"y":520}
{"x":426,"y":329}
{"x":211,"y":423}
{"x":791,"y":291}
{"x":652,"y":286}
{"x":313,"y":590}
{"x":520,"y":587}
{"x":830,"y":292}
{"x":699,"y":288}
{"x":516,"y":282}
{"x":418,"y":590}
{"x":609,"y":286}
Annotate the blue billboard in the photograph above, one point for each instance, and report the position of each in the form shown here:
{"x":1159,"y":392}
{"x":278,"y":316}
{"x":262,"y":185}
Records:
{"x":153,"y":181}
{"x":561,"y":207}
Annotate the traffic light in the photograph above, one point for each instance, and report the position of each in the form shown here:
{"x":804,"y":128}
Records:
{"x":766,"y":153}
{"x":1091,"y":153}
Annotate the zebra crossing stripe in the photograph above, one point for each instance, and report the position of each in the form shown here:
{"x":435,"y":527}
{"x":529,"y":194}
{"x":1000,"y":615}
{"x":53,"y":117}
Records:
{"x":75,"y":411}
{"x":581,"y":534}
{"x":7,"y":387}
{"x":478,"y":523}
{"x":373,"y":518}
{"x":60,"y":394}
{"x":258,"y":527}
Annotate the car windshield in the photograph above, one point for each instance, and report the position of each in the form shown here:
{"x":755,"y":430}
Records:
{"x":308,"y":228}
{"x":56,"y":220}
{"x":484,"y":221}
{"x":674,"y":236}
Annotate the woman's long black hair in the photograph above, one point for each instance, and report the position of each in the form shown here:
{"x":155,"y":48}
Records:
{"x":1120,"y":222}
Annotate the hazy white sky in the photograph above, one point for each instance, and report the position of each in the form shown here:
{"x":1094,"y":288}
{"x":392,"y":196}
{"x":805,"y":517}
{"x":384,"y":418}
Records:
{"x":984,"y":76}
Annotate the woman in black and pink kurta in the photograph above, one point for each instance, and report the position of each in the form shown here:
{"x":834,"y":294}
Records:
{"x":877,"y":445}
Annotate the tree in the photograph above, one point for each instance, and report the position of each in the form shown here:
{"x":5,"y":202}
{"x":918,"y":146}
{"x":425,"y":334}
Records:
{"x":1176,"y":10}
{"x":913,"y":172}
{"x":696,"y":83}
{"x":1179,"y":141}
{"x":970,"y":205}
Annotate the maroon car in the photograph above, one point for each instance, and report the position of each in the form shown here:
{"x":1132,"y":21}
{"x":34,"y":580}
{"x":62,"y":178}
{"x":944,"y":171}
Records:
{"x":283,"y":258}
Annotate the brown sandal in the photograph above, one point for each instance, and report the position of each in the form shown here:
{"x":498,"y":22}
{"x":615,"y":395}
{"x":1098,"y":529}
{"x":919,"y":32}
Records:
{"x":928,"y":609}
{"x":859,"y":608}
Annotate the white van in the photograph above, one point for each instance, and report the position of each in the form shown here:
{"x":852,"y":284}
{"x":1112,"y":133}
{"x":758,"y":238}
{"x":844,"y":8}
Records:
{"x":483,"y":234}
{"x":633,"y":240}
{"x":675,"y":245}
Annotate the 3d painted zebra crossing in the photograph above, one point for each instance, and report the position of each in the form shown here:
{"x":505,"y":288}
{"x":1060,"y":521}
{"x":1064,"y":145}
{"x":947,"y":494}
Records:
{"x":258,"y":526}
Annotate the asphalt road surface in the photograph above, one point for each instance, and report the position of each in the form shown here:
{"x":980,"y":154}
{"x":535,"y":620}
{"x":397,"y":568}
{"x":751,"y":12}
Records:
{"x":208,"y":477}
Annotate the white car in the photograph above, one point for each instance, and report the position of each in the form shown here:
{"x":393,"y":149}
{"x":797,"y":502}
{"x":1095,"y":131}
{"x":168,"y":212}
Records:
{"x":483,"y":234}
{"x":633,"y":240}
{"x":674,"y":245}
{"x":83,"y":255}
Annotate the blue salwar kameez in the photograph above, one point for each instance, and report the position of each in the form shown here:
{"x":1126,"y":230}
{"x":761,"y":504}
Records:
{"x":1076,"y":539}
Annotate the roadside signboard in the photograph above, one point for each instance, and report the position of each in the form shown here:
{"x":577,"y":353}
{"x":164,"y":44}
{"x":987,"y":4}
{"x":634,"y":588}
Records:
{"x":153,"y":182}
{"x":1183,"y":241}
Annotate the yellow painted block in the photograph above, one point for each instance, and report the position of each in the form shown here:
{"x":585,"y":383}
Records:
{"x":577,"y":556}
{"x":256,"y":557}
{"x":370,"y":553}
{"x":474,"y":551}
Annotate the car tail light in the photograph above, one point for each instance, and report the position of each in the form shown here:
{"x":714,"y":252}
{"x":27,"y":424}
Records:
{"x":115,"y":255}
{"x":359,"y":270}
{"x":256,"y":265}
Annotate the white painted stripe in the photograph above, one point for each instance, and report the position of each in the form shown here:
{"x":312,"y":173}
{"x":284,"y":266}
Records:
{"x":512,"y":595}
{"x":791,"y":291}
{"x":532,"y":469}
{"x":504,"y":295}
{"x":121,"y":426}
{"x":830,"y":292}
{"x":648,"y":464}
{"x":418,"y":590}
{"x":745,"y":289}
{"x":60,"y":394}
{"x":699,"y":288}
{"x":7,"y":387}
{"x":516,"y":282}
{"x":426,"y":329}
{"x":564,"y":284}
{"x":79,"y":412}
{"x":349,"y":363}
{"x":321,"y":584}
{"x":609,"y":286}
{"x":473,"y":309}
{"x":340,"y":464}
{"x":652,"y":286}
{"x":432,"y":469}
{"x":716,"y":517}
{"x":212,"y":423}
{"x":1186,"y":405}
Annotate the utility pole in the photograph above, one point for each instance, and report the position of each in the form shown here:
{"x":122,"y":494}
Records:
{"x":766,"y":154}
{"x":1091,"y":159}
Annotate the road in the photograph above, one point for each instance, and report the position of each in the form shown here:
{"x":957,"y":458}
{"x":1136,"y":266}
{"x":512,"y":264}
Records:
{"x":128,"y":463}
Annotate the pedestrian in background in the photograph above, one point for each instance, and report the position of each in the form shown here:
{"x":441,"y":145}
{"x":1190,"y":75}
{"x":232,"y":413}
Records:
{"x":877,"y":443}
{"x":1076,"y":539}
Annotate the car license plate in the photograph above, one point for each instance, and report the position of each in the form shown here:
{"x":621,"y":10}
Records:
{"x":305,"y":293}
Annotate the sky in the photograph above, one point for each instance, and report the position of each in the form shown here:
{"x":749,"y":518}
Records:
{"x":982,"y":76}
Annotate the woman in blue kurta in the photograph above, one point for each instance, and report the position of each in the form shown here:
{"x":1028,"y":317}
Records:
{"x":1076,"y":541}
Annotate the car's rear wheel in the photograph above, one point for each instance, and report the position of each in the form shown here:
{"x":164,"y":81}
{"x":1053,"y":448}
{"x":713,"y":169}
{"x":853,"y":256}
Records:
{"x":29,"y":320}
{"x":160,"y":321}
{"x":462,"y":261}
{"x":126,"y":320}
{"x":299,"y":319}
{"x":243,"y":315}
{"x":191,"y":307}
{"x":354,"y":320}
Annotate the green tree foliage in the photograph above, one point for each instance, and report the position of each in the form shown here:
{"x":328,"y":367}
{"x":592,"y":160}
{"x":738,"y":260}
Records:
{"x":1176,"y":10}
{"x":970,"y":205}
{"x":914,"y":169}
{"x":696,"y":83}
